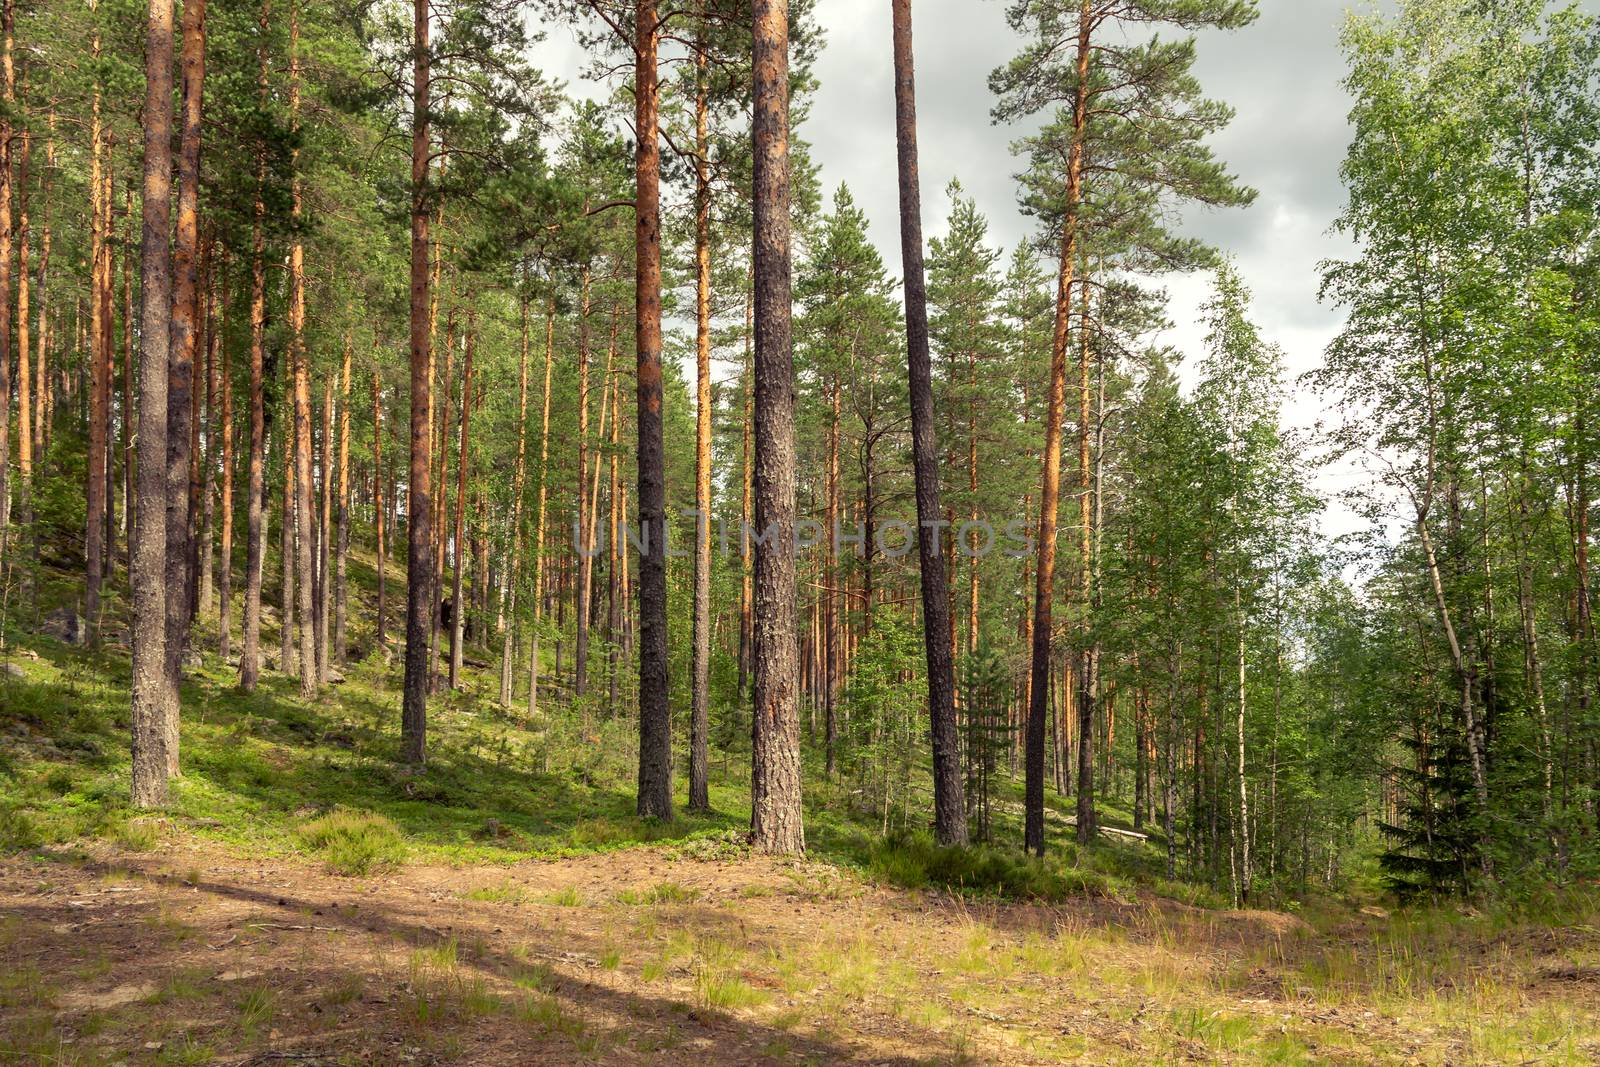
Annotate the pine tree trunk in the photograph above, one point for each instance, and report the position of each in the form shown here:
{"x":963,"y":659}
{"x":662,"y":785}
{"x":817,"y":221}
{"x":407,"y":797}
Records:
{"x":1088,"y":671}
{"x":655,"y":719}
{"x":41,"y":437}
{"x":830,"y":683}
{"x":41,"y":390}
{"x":972,"y":492}
{"x":459,"y":612}
{"x":149,"y":735}
{"x":537,"y":584}
{"x":342,"y":547}
{"x":185,"y":325}
{"x":1050,"y":478}
{"x":950,"y":813}
{"x":255,"y":554}
{"x":379,"y":515}
{"x":580,"y":537}
{"x":99,"y":371}
{"x":130,"y":421}
{"x":776,"y":818}
{"x":197,"y":413}
{"x":225,"y":549}
{"x":103,"y":311}
{"x":512,"y":575}
{"x":442,"y":512}
{"x":287,"y":529}
{"x":24,"y":374}
{"x":208,"y":494}
{"x":746,"y":591}
{"x":305,"y":585}
{"x":614,"y":552}
{"x":587,"y":602}
{"x":700,"y":715}
{"x":7,"y":180}
{"x":324,"y":530}
{"x":419,"y":548}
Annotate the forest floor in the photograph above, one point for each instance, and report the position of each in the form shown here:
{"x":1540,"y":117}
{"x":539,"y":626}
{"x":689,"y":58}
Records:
{"x":304,"y":900}
{"x":195,"y":953}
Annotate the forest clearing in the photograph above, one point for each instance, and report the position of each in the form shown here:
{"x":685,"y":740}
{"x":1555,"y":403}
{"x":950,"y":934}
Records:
{"x":725,"y":531}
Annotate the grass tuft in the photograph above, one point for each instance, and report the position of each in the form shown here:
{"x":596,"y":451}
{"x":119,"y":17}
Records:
{"x":660,"y":893}
{"x":355,"y":843}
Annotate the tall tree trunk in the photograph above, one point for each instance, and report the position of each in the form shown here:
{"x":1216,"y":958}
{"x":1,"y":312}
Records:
{"x":208,"y":468}
{"x":255,"y":489}
{"x":614,"y":550}
{"x":342,"y":548}
{"x":830,"y":682}
{"x":305,"y":586}
{"x":1050,"y":477}
{"x":419,"y":549}
{"x":655,"y":718}
{"x":7,"y":181}
{"x":99,"y":371}
{"x":323,"y":562}
{"x":149,"y":740}
{"x":441,"y":531}
{"x":700,"y":717}
{"x":225,"y":548}
{"x":102,"y":310}
{"x":776,"y":817}
{"x":41,"y":390}
{"x":41,"y":439}
{"x":24,"y":374}
{"x":130,"y":420}
{"x":184,"y":327}
{"x":287,"y":528}
{"x":537,"y":583}
{"x":747,"y":472}
{"x":580,"y":534}
{"x":201,"y":345}
{"x":1088,"y":665}
{"x":459,"y":612}
{"x":512,"y":575}
{"x":588,"y":600}
{"x":949,"y":808}
{"x":379,"y":514}
{"x":972,"y":493}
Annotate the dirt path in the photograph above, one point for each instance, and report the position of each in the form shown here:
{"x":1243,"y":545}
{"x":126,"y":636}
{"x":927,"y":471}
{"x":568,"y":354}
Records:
{"x":192,"y":955}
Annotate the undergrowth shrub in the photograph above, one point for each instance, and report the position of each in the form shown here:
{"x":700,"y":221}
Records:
{"x":354,"y":842}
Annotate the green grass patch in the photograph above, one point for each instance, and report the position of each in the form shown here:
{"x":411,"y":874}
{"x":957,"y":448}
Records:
{"x":660,"y":893}
{"x":914,"y":861}
{"x":355,"y":843}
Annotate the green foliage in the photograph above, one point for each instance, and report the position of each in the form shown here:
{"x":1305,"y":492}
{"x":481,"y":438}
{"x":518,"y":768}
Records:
{"x":355,"y":843}
{"x":883,"y":701}
{"x":916,"y":862}
{"x":987,"y":732}
{"x":1466,"y":366}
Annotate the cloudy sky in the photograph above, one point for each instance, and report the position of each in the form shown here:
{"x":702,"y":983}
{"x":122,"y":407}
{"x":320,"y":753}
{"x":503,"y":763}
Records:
{"x":1281,"y":74}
